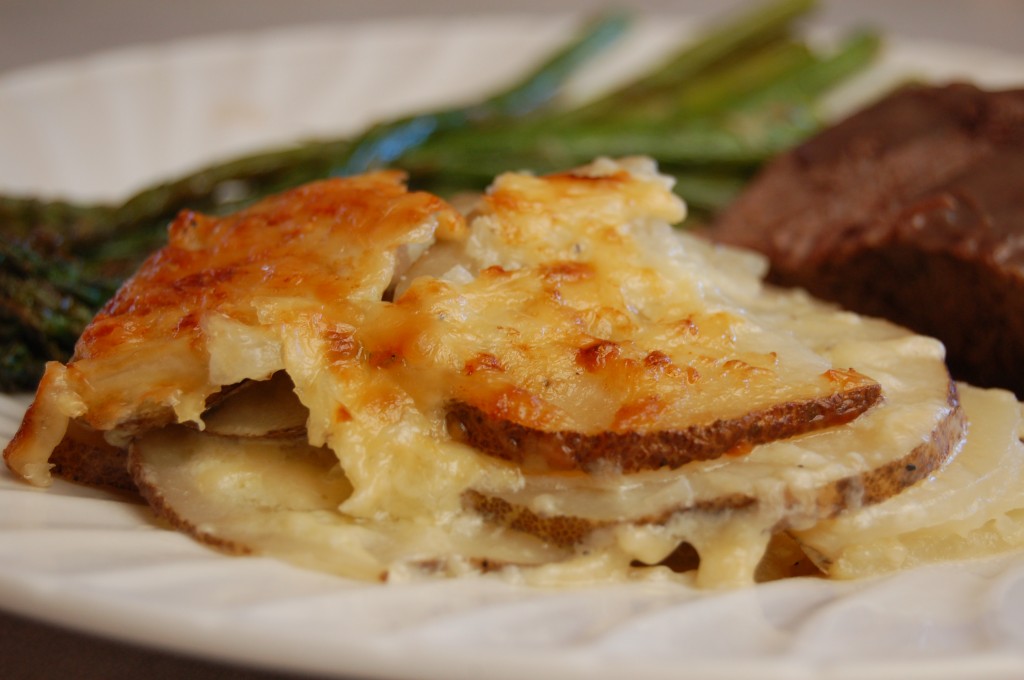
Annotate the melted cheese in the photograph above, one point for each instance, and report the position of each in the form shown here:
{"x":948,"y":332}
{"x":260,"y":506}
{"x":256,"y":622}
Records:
{"x":587,"y":302}
{"x":189,"y":318}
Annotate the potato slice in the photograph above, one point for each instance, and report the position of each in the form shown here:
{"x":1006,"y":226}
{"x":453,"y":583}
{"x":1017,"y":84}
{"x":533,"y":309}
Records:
{"x":537,"y":450}
{"x":279,"y":497}
{"x":259,"y":408}
{"x":269,"y":476}
{"x":973,"y":509}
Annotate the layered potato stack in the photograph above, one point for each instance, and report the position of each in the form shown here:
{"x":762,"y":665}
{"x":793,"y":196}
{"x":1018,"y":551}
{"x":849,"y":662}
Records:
{"x":554,"y":384}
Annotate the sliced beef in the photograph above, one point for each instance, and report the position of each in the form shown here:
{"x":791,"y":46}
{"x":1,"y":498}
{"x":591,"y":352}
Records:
{"x":912,"y":209}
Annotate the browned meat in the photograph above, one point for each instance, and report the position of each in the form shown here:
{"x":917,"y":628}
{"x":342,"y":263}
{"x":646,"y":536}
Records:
{"x":912,"y":209}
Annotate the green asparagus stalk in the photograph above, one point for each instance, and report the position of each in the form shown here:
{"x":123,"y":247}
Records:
{"x":742,"y":130}
{"x":738,"y":141}
{"x":818,"y":76}
{"x":726,"y":89}
{"x":46,"y":303}
{"x":728,"y":40}
{"x":387,"y":142}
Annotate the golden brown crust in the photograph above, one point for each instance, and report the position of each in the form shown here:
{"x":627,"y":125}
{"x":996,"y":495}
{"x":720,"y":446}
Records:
{"x":536,"y":450}
{"x":146,"y":359}
{"x":217,"y":264}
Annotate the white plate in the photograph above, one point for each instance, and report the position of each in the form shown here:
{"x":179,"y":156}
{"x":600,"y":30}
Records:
{"x":102,"y":127}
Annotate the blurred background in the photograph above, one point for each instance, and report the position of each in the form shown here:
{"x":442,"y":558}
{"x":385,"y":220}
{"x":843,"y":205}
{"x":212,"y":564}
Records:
{"x":33,"y":31}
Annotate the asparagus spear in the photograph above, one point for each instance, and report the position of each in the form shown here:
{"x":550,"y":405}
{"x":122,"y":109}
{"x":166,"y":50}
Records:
{"x":46,"y":303}
{"x":744,"y":129}
{"x":729,"y":40}
{"x":387,"y":142}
